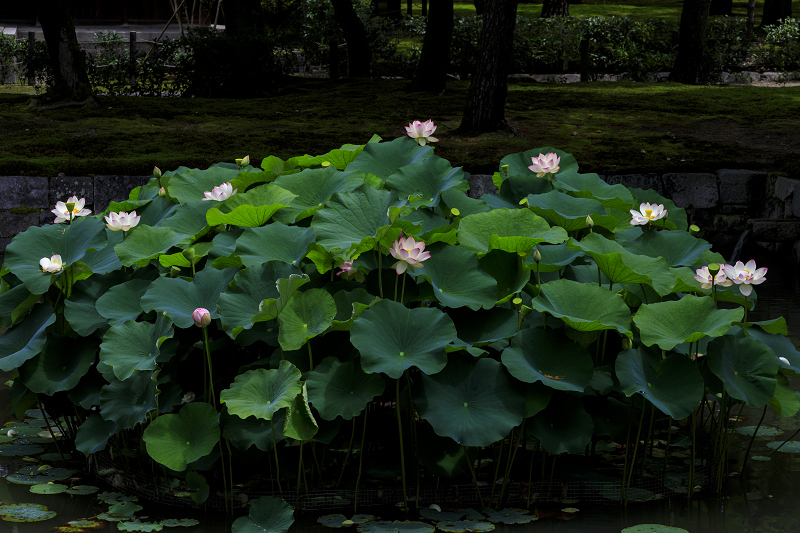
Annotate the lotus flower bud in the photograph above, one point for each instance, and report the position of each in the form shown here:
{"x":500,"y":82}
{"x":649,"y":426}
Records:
{"x":189,"y":254}
{"x":627,"y":344}
{"x":589,"y":222}
{"x":201,"y":317}
{"x":537,"y":255}
{"x":713,"y":269}
{"x":157,"y":173}
{"x":162,"y":192}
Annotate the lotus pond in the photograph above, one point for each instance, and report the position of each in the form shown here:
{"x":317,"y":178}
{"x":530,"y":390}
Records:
{"x":343,"y":332}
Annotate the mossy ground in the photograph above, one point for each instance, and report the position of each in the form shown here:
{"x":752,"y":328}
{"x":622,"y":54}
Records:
{"x":610,"y":127}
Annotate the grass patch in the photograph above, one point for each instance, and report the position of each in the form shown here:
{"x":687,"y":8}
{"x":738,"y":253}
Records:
{"x":612,"y":128}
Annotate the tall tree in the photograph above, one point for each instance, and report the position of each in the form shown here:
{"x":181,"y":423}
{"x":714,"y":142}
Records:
{"x":775,"y":11}
{"x":431,"y":74}
{"x":692,"y":65}
{"x":555,"y":8}
{"x":355,"y":35}
{"x":70,"y":81}
{"x":488,"y":88}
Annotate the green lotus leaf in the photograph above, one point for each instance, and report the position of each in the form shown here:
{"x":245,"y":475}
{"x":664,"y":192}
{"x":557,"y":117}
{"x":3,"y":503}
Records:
{"x":674,"y":384}
{"x":563,"y":426}
{"x":440,"y":516}
{"x":591,"y":186}
{"x":188,"y":185}
{"x":146,"y":242}
{"x":80,"y":309}
{"x":510,"y":230}
{"x":156,"y":209}
{"x":267,"y":515}
{"x":537,"y":396}
{"x":82,"y":490}
{"x":341,"y":389}
{"x":456,"y":199}
{"x":245,"y":432}
{"x":482,"y":327}
{"x":105,"y":259}
{"x":48,"y":488}
{"x":675,"y":214}
{"x":349,"y":306}
{"x":252,"y":208}
{"x":241,"y":300}
{"x":554,"y":257}
{"x":179,"y":522}
{"x":517,"y":187}
{"x":472,"y":402}
{"x":570,"y":213}
{"x":668,"y":324}
{"x":25,"y":512}
{"x":127,"y":402}
{"x":127,"y":508}
{"x":272,"y":307}
{"x":133,"y":346}
{"x":332,"y":520}
{"x":457,"y":278}
{"x":762,"y":431}
{"x":622,"y":266}
{"x":60,"y":366}
{"x":71,"y":242}
{"x":442,"y":456}
{"x":261,"y":393}
{"x":306,"y":315}
{"x":426,"y":180}
{"x":122,"y":302}
{"x":138,"y":525}
{"x":300,"y":423}
{"x":110,"y":498}
{"x":518,"y":163}
{"x":286,"y":243}
{"x":677,"y":248}
{"x":653,"y":528}
{"x":583,"y":307}
{"x":179,"y":439}
{"x":14,"y":450}
{"x":508,"y":270}
{"x":548,"y":356}
{"x":786,"y":401}
{"x":780,"y":345}
{"x":339,"y":158}
{"x":15,"y":304}
{"x":405,"y":526}
{"x":509,"y":516}
{"x":27,"y":339}
{"x":392,"y":338}
{"x":351,"y":221}
{"x":190,"y":220}
{"x":746,"y":366}
{"x":179,"y":298}
{"x":313,"y":188}
{"x":464,"y":526}
{"x":792,"y":446}
{"x":384,"y":159}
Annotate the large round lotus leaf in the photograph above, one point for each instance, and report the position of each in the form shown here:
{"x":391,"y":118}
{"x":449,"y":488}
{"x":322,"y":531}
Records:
{"x":133,"y":346}
{"x":426,"y":180}
{"x":568,"y":212}
{"x":179,"y":522}
{"x":350,"y":221}
{"x":71,"y":242}
{"x":261,"y":393}
{"x":653,"y":528}
{"x":79,"y":526}
{"x":406,"y":526}
{"x":15,"y":304}
{"x":80,"y":310}
{"x":48,"y":488}
{"x":668,"y":324}
{"x":781,"y":346}
{"x":792,"y":446}
{"x":25,"y":512}
{"x":244,"y":432}
{"x":241,"y":300}
{"x":591,"y":186}
{"x":54,"y":474}
{"x":179,"y":298}
{"x":188,"y":185}
{"x":746,"y":366}
{"x":509,"y":516}
{"x":17,"y":450}
{"x":508,"y":270}
{"x":190,"y":220}
{"x":105,"y":259}
{"x":286,"y":243}
{"x":457,"y":278}
{"x":583,"y":306}
{"x":519,"y":186}
{"x":622,"y":266}
{"x":440,"y":516}
{"x":267,"y":515}
{"x":383,"y":159}
{"x":674,"y":385}
{"x":548,"y":356}
{"x":94,"y":433}
{"x":484,"y":326}
{"x":60,"y":366}
{"x":175,"y":440}
{"x":146,"y":242}
{"x":763,"y":431}
{"x":121,"y":302}
{"x":349,"y":306}
{"x":26,"y":479}
{"x":786,"y":401}
{"x":82,"y":490}
{"x":563,"y":426}
{"x":250,"y":209}
{"x":126,"y":508}
{"x":392,"y":338}
{"x":306,"y":315}
{"x":519,"y":162}
{"x":678,"y":248}
{"x":554,"y":257}
{"x":25,"y":340}
{"x":300,"y":423}
{"x":341,"y":389}
{"x":510,"y":230}
{"x":314,"y":187}
{"x":137,"y":525}
{"x":472,"y":402}
{"x":127,"y":402}
{"x":676,"y":214}
{"x":464,"y":526}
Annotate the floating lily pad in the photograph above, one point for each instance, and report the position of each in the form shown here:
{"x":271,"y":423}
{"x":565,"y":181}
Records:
{"x":473,"y":514}
{"x":48,"y":488}
{"x":116,"y":497}
{"x":25,"y":512}
{"x":509,"y":516}
{"x":55,"y":457}
{"x":653,"y":528}
{"x":82,"y":489}
{"x":22,"y":479}
{"x":762,"y":458}
{"x":136,"y":525}
{"x":337,"y":520}
{"x":179,"y":522}
{"x":465,"y":526}
{"x":398,"y":526}
{"x":441,"y":516}
{"x":108,"y":517}
{"x":793,"y":446}
{"x":79,"y":526}
{"x":763,"y":431}
{"x":124,"y":508}
{"x":267,"y":515}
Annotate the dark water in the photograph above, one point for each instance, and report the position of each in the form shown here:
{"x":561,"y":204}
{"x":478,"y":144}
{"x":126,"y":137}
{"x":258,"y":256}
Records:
{"x":764,"y":498}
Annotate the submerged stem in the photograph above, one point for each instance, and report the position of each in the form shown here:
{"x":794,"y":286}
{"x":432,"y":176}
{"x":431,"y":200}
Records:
{"x":400,"y":437}
{"x":360,"y":459}
{"x":275,"y":451}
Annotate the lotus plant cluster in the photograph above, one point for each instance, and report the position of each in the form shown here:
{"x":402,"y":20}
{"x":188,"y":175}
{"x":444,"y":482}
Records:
{"x":360,"y":298}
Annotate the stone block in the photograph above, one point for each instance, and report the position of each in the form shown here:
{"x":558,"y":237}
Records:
{"x":109,"y":189}
{"x":741,"y":186}
{"x":730,"y":223}
{"x":784,"y":187}
{"x":734,"y":209}
{"x":796,"y":252}
{"x":61,"y":188}
{"x":638,"y":181}
{"x":703,"y":218}
{"x":13,"y":223}
{"x":480,"y":184}
{"x":4,"y":241}
{"x":771,"y":230}
{"x":23,"y":191}
{"x":692,"y":189}
{"x":796,"y":206}
{"x":774,"y":209}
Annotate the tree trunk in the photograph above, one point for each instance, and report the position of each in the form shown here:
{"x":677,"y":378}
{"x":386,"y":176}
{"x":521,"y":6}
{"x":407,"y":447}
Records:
{"x":488,"y":89}
{"x":555,"y":8}
{"x":775,"y":11}
{"x":751,"y":18}
{"x":480,"y":6}
{"x":70,"y":81}
{"x":721,"y":7}
{"x":692,"y":64}
{"x":243,"y":17}
{"x":431,"y":74}
{"x":358,"y":52}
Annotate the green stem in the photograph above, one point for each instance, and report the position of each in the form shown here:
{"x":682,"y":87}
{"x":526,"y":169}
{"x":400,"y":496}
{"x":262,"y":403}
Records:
{"x":50,"y":429}
{"x":784,"y":442}
{"x":299,"y":471}
{"x":403,"y":290}
{"x":210,"y":371}
{"x":360,"y":460}
{"x":396,"y":281}
{"x":380,"y":275}
{"x":275,"y":451}
{"x":497,"y":469}
{"x":400,"y":437}
{"x":475,"y":479}
{"x":224,"y":483}
{"x":530,"y":473}
{"x":310,"y":357}
{"x":512,"y":457}
{"x":666,"y":452}
{"x":690,"y":488}
{"x":635,"y":451}
{"x":349,"y":451}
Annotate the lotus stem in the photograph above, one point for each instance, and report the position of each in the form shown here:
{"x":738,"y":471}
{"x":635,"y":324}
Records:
{"x":275,"y":451}
{"x":552,"y":473}
{"x":224,"y":483}
{"x":744,"y":319}
{"x":530,"y":472}
{"x":299,"y":470}
{"x":360,"y":459}
{"x":475,"y":479}
{"x":728,"y":439}
{"x":635,"y":451}
{"x":210,"y":371}
{"x":497,"y":468}
{"x":310,"y":357}
{"x":648,"y":443}
{"x":380,"y":273}
{"x":690,"y":488}
{"x":403,"y":290}
{"x":349,"y":450}
{"x":230,"y":460}
{"x":627,"y":454}
{"x":400,"y":438}
{"x":396,"y":281}
{"x":666,"y":451}
{"x":49,"y":428}
{"x":512,"y":458}
{"x":784,"y":442}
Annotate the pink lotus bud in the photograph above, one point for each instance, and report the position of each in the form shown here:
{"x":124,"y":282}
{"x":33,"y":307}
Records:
{"x":201,"y":317}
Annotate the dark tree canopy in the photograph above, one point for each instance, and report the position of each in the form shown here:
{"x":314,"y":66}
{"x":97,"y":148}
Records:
{"x":355,"y":35}
{"x":775,"y":11}
{"x":431,"y":74}
{"x":692,"y":65}
{"x":243,"y":17}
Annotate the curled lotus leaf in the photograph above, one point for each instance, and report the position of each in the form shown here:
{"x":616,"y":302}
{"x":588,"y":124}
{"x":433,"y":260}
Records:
{"x":25,"y":512}
{"x":262,"y":393}
{"x":510,"y":230}
{"x":746,"y":366}
{"x":583,"y":307}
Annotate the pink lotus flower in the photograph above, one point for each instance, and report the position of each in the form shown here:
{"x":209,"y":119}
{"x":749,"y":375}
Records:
{"x":422,"y":131}
{"x":745,"y":275}
{"x":122,"y":220}
{"x":707,"y":280}
{"x":647,"y":212}
{"x":63,"y":214}
{"x":545,"y":164}
{"x":201,"y":317}
{"x":409,"y":252}
{"x":350,"y":272}
{"x":51,"y":265}
{"x":220,"y":192}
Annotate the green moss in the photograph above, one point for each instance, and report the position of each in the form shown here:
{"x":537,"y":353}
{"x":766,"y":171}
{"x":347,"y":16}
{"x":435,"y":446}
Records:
{"x":23,"y":210}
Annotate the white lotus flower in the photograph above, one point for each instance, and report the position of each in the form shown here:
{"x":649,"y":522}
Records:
{"x":745,"y":275}
{"x":647,"y":213}
{"x":706,"y":279}
{"x":63,"y":214}
{"x":220,"y":192}
{"x":122,"y":220}
{"x":51,"y":265}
